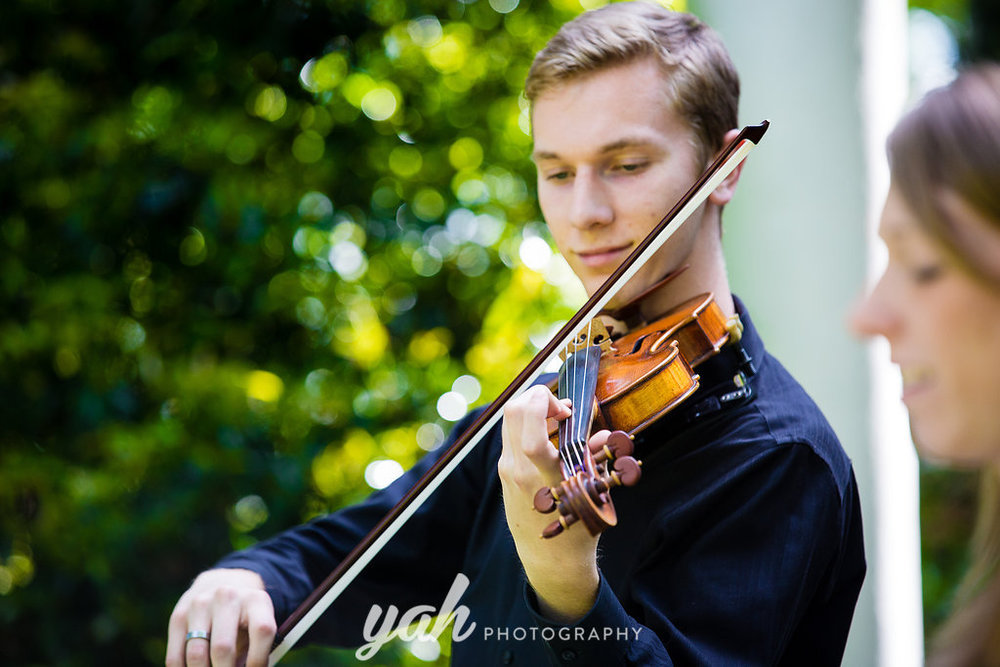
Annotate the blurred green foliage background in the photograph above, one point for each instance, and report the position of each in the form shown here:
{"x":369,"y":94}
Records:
{"x":245,"y":250}
{"x":255,"y":257}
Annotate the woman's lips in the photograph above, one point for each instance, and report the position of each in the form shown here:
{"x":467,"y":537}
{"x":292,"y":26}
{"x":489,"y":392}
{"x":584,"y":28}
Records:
{"x":915,"y":382}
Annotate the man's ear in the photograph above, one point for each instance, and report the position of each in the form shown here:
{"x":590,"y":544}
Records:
{"x":722,"y":194}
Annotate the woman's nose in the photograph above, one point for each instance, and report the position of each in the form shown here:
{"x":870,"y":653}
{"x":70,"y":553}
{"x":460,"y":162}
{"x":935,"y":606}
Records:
{"x":874,"y":314}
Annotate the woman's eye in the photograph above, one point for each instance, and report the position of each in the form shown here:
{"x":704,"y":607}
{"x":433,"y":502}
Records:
{"x":557,"y":176}
{"x":927,"y":274}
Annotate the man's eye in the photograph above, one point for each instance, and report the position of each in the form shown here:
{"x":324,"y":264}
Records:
{"x":557,"y":176}
{"x":629,"y":167}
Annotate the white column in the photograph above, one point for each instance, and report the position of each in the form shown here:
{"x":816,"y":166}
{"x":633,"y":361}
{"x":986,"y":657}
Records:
{"x":898,"y":600}
{"x":830,"y":76}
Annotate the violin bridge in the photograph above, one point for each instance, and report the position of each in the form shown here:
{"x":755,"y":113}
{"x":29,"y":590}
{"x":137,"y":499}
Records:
{"x":595,"y":333}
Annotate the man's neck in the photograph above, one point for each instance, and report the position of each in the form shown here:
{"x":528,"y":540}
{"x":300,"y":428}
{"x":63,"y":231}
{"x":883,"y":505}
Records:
{"x":706,"y":274}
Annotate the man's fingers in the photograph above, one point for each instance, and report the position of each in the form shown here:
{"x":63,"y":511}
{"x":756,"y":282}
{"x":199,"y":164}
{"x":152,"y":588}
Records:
{"x":261,"y":630}
{"x":538,"y":402}
{"x":556,"y":408}
{"x":528,"y":420}
{"x":175,"y":635}
{"x":598,"y":439}
{"x":196,"y":650}
{"x":226,"y":611}
{"x":230,"y":605}
{"x":560,"y":408}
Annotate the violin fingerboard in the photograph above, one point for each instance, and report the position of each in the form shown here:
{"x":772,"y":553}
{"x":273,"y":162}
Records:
{"x":578,"y":382}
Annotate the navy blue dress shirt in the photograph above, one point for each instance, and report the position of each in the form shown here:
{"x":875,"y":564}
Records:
{"x":741,"y":545}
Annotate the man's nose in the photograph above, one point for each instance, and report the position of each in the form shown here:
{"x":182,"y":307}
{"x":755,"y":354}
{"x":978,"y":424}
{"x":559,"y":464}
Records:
{"x":592,"y":203}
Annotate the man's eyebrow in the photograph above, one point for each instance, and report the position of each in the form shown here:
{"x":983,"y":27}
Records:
{"x":625,"y":142}
{"x":544,"y":155}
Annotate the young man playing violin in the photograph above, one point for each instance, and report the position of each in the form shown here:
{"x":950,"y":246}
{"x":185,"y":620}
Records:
{"x":741,"y":544}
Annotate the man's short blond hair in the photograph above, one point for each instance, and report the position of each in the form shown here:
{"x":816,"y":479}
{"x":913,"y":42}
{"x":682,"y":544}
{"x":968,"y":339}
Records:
{"x":698,"y":76}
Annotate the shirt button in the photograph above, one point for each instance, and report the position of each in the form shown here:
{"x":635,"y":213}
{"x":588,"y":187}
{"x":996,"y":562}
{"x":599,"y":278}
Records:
{"x":507,"y":657}
{"x":568,"y":655}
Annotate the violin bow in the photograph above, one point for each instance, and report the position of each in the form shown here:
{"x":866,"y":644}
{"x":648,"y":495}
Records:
{"x":303,"y":618}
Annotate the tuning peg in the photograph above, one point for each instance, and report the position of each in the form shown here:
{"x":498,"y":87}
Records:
{"x":627,"y":471}
{"x":556,"y":527}
{"x":618,"y":444}
{"x":545,"y":500}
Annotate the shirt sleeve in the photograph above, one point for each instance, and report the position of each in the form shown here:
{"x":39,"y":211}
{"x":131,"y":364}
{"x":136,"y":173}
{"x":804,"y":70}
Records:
{"x":606,"y":635}
{"x":417,"y":569}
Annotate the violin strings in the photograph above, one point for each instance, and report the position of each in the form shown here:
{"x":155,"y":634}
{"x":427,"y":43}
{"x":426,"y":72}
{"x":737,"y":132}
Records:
{"x":577,"y":422}
{"x":564,"y":429}
{"x":572,"y":446}
{"x":563,"y":454}
{"x":570,"y":431}
{"x":577,"y":401}
{"x":565,"y":436}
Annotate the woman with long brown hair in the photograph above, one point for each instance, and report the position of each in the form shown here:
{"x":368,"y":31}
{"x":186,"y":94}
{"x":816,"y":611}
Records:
{"x":938,"y":305}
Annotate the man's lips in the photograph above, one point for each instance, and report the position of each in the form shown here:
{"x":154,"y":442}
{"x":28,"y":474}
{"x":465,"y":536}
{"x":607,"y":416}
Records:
{"x":596,"y":257}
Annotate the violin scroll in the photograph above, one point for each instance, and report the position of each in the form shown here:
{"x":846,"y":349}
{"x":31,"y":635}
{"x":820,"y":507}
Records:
{"x":585,"y":496}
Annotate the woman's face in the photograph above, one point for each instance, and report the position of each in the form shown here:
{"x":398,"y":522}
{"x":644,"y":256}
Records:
{"x":944,"y":329}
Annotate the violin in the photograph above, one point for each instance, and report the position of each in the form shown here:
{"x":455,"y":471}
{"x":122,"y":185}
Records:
{"x":299,"y":622}
{"x":623,"y":385}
